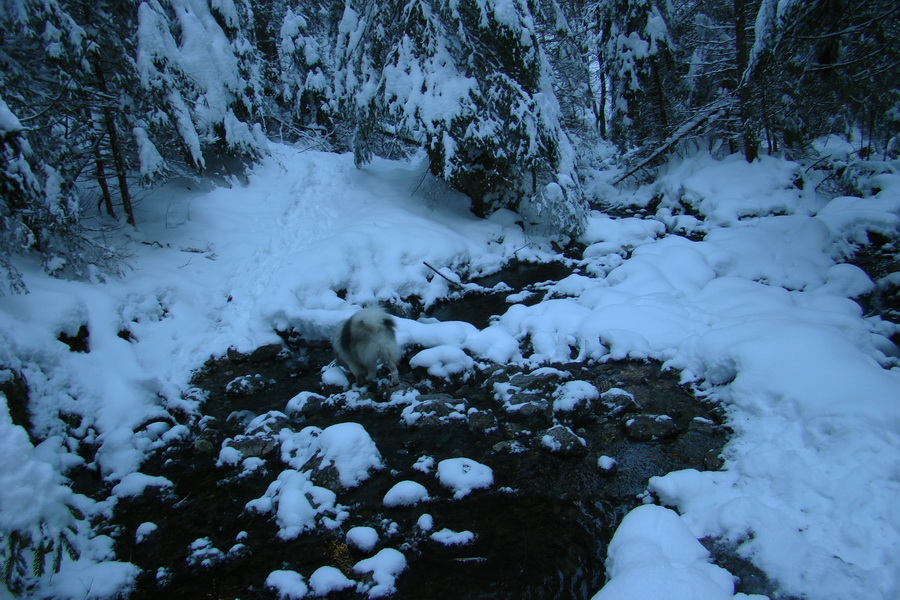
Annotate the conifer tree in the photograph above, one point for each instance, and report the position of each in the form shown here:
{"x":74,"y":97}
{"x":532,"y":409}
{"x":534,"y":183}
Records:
{"x":637,"y":60}
{"x":195,"y":72}
{"x":50,"y":137}
{"x":471,"y":82}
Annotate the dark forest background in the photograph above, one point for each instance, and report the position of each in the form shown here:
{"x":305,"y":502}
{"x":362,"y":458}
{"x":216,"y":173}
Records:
{"x":509,"y":99}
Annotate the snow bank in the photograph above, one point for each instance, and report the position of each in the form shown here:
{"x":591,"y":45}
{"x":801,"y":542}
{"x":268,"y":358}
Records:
{"x":31,"y":491}
{"x":654,"y":555}
{"x":726,"y":191}
{"x":759,"y":316}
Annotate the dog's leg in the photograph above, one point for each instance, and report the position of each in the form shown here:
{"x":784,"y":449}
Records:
{"x":395,"y":375}
{"x":358,"y":370}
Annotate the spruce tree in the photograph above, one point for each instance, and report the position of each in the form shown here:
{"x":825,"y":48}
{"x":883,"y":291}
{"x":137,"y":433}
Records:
{"x":469,"y":81}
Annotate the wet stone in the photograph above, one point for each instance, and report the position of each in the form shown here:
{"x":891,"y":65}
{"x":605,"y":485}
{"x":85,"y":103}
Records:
{"x":259,"y":446}
{"x":515,"y":430}
{"x":562,"y":441}
{"x":541,"y":382}
{"x":247,"y":385}
{"x":509,"y":447}
{"x":482,"y":421}
{"x":651,"y":427}
{"x":204,"y":446}
{"x":268,"y":424}
{"x":533,"y":414}
{"x":327,"y":477}
{"x":434,"y":410}
{"x":618,"y":401}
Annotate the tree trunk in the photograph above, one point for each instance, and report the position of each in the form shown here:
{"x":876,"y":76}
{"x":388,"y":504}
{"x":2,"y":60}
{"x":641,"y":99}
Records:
{"x":660,"y":96}
{"x":601,"y":114}
{"x":116,"y":148}
{"x":745,"y":106}
{"x":104,"y":186}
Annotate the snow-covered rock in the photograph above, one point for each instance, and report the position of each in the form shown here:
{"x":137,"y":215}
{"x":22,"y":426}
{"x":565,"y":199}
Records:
{"x":463,"y":475}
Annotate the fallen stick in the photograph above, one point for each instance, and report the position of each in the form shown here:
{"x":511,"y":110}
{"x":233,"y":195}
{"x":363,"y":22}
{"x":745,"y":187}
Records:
{"x":457,"y":284}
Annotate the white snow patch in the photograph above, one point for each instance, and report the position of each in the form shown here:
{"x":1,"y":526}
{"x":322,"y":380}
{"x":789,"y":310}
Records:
{"x":297,"y":503}
{"x":606,"y":463}
{"x":345,"y":446}
{"x":443,"y":361}
{"x":384,"y":567}
{"x":424,"y":464}
{"x":363,"y":538}
{"x":134,"y":484}
{"x":406,"y":493}
{"x":654,"y":555}
{"x":448,"y":537}
{"x":143,"y":531}
{"x":463,"y":475}
{"x":572,"y":393}
{"x":425,"y":522}
{"x":326,"y":580}
{"x":287,"y":584}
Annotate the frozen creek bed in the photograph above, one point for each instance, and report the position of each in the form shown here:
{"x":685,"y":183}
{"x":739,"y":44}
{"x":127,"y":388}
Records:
{"x":507,"y":485}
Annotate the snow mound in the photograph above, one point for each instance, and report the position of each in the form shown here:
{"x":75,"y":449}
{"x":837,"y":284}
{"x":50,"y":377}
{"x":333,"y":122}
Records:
{"x":606,"y":235}
{"x":463,"y":475}
{"x":654,"y":555}
{"x":572,"y":394}
{"x":134,"y":484}
{"x":448,"y":537}
{"x":766,"y":186}
{"x":345,"y":446}
{"x":363,"y":538}
{"x":443,"y":361}
{"x":384,"y":567}
{"x":326,"y":580}
{"x":405,"y":493}
{"x":298,"y":503}
{"x":27,"y":483}
{"x":288,"y":584}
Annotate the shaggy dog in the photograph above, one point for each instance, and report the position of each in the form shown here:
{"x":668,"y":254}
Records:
{"x":364,"y":340}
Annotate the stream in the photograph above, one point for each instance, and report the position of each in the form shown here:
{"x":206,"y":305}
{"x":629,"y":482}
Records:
{"x":540,"y":531}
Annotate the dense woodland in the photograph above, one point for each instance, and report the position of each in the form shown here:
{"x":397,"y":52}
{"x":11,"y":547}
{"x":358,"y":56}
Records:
{"x":101,"y":99}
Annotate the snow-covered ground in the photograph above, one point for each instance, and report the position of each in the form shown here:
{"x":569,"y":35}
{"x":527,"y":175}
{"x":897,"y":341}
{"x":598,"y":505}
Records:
{"x":758,"y":315}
